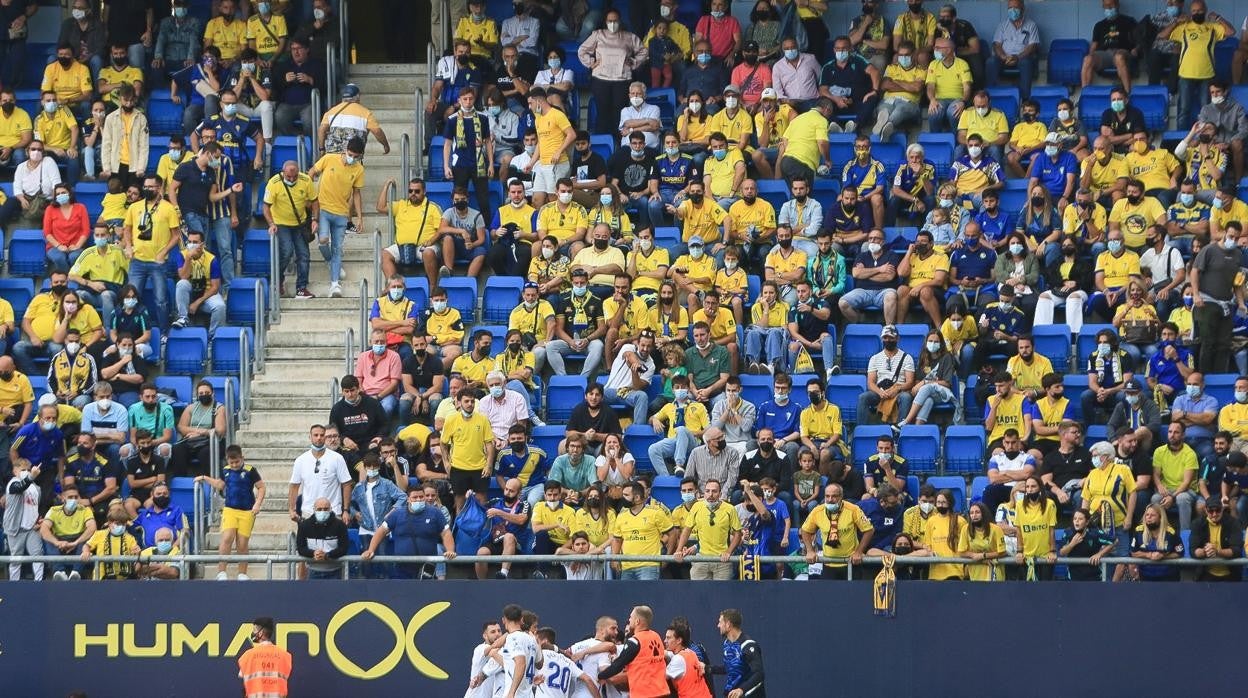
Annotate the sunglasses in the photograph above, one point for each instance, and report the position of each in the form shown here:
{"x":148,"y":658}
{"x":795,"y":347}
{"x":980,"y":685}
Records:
{"x":317,"y":469}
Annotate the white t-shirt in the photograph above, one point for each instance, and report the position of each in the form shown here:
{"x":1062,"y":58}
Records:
{"x":1163,"y":266}
{"x":1018,"y":463}
{"x":584,"y":571}
{"x":520,"y":644}
{"x":645,"y":111}
{"x":519,"y":162}
{"x":614,"y":477}
{"x":562,"y":676}
{"x":323,"y":480}
{"x":480,"y":658}
{"x":621,"y":375}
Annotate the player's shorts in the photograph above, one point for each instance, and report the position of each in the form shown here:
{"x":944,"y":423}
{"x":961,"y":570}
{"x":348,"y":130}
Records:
{"x":241,"y":520}
{"x":545,"y":176}
{"x":464,"y":480}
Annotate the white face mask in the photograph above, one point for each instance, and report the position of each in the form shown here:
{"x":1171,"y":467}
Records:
{"x":730,"y":102}
{"x":613,"y":27}
{"x":636,"y":101}
{"x":547,"y":253}
{"x":665,"y":11}
{"x":565,"y":197}
{"x":925,"y":507}
{"x":695,"y":107}
{"x":982,"y":111}
{"x":646,"y":244}
{"x":1217,"y":100}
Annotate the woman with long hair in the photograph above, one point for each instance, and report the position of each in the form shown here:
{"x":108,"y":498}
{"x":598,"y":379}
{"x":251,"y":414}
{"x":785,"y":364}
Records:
{"x":1017,"y":267}
{"x":610,"y":210}
{"x":1155,"y":540}
{"x":1035,"y":517}
{"x":1041,"y":222}
{"x":596,"y":518}
{"x":944,"y":530}
{"x":1067,"y":278}
{"x":614,"y":467}
{"x":937,"y":368}
{"x":983,"y":542}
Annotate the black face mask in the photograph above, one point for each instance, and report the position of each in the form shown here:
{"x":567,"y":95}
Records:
{"x":942,"y":510}
{"x":600,"y":244}
{"x":1033,"y":496}
{"x":902,"y":550}
{"x":1153,"y":526}
{"x":161,"y":502}
{"x":6,"y":376}
{"x":1205,"y":138}
{"x":85,"y":453}
{"x":65,"y":62}
{"x":1198,"y":17}
{"x":868,"y":8}
{"x":8,"y":107}
{"x":945,"y":22}
{"x":1011,"y":454}
{"x":721,"y":444}
{"x":151,"y":194}
{"x":593,"y":502}
{"x":1133,"y":200}
{"x":1068,"y":251}
{"x":205,"y":399}
{"x":513,"y":347}
{"x":462,"y":60}
{"x":461,"y":205}
{"x":517,"y":448}
{"x":420,"y":352}
{"x":916,"y":7}
{"x":695,"y":198}
{"x":1029,"y":117}
{"x":1037,"y":201}
{"x":751,"y":58}
{"x":922,"y":249}
{"x":890,"y":344}
{"x":765,"y":446}
{"x":815,"y":398}
{"x":145,"y":450}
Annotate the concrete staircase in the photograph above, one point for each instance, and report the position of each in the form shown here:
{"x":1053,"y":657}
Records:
{"x":306,"y":349}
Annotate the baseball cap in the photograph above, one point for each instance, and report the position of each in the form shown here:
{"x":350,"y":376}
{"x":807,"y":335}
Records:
{"x":530,"y":284}
{"x":350,"y":91}
{"x":1133,"y":386}
{"x":769,"y":93}
{"x":750,"y":46}
{"x":1053,"y":138}
{"x":732,"y":88}
{"x":695,"y":240}
{"x":888,"y":331}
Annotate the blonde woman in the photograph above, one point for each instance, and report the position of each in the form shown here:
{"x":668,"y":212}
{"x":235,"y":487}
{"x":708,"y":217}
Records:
{"x":1155,"y":540}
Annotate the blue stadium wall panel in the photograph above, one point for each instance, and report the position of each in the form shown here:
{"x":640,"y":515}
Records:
{"x":818,"y":638}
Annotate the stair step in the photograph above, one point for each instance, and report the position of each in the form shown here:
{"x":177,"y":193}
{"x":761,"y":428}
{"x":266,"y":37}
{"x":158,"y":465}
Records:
{"x":297,"y":353}
{"x":292,"y":420}
{"x":312,"y":384}
{"x":262,"y":456}
{"x":277,"y":371}
{"x":326,"y":335}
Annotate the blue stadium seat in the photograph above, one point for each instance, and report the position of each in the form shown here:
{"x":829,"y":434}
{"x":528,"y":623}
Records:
{"x":29,"y":99}
{"x":964,"y":448}
{"x":841,"y":149}
{"x":1007,"y":100}
{"x":1012,"y":200}
{"x":938,"y":148}
{"x":186,"y":350}
{"x":979,"y":483}
{"x":862,"y":446}
{"x":157,"y":146}
{"x":667,"y":490}
{"x":183,"y":389}
{"x":758,"y":389}
{"x":255,"y":253}
{"x":163,"y":116}
{"x":1095,"y":433}
{"x":667,"y":237}
{"x":461,"y":294}
{"x":573,"y":63}
{"x":498,"y":332}
{"x":417,"y":289}
{"x":38,"y":384}
{"x":434,"y":172}
{"x":861,"y":342}
{"x":547,"y":438}
{"x":637,"y":439}
{"x":91,"y":195}
{"x":562,"y":394}
{"x":843,"y":391}
{"x":774,"y":192}
{"x":603,"y":144}
{"x":753,"y":286}
{"x":18,"y":292}
{"x":226,"y":356}
{"x":891,"y":155}
{"x":1154,"y":101}
{"x":1223,"y":54}
{"x":953,"y":483}
{"x":182,"y":495}
{"x":1093,"y":101}
{"x":1066,"y":61}
{"x":1053,"y":341}
{"x":240,"y":305}
{"x":971,"y":411}
{"x":1222,"y":387}
{"x":154,"y":357}
{"x":920,"y":446}
{"x":287,"y":148}
{"x":1239,"y":93}
{"x":912,"y":488}
{"x":1047,"y":96}
{"x":501,"y":296}
{"x":27,"y":253}
{"x":1085,"y":342}
{"x":665,"y":99}
{"x":1074,"y":384}
{"x":911,"y":337}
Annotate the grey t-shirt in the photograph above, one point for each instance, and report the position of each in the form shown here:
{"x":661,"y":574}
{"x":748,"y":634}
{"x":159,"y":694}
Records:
{"x":1217,"y":267}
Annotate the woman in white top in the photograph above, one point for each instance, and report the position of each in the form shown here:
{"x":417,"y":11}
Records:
{"x":615,"y":466}
{"x":33,"y":183}
{"x":555,"y":79}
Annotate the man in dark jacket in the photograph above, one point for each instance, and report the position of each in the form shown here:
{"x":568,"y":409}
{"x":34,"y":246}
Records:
{"x":360,"y":419}
{"x":1217,"y":535}
{"x":322,"y":538}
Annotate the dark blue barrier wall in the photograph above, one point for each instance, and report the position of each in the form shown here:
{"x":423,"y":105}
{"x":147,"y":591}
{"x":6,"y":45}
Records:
{"x":819,"y":639}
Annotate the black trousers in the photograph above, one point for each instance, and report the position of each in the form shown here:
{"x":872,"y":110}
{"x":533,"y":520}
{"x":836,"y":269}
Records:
{"x":509,"y":258}
{"x":480,"y":186}
{"x":610,"y":97}
{"x":1213,"y":330}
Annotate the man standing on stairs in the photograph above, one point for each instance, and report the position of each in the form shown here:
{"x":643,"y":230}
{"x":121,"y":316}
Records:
{"x":347,"y":121}
{"x":341,"y":178}
{"x":288,"y":209}
{"x":318,"y":473}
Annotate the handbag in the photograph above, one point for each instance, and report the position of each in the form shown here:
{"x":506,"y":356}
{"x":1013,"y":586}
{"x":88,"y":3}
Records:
{"x":1139,"y":331}
{"x":304,"y":227}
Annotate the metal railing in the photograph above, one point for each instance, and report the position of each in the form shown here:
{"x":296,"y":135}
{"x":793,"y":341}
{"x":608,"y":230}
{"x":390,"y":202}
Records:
{"x":345,"y":562}
{"x":335,"y":392}
{"x":419,"y":129}
{"x":200,"y":531}
{"x":365,"y":302}
{"x":318,"y":111}
{"x":231,"y":422}
{"x":377,"y":281}
{"x":331,"y":71}
{"x":348,"y":352}
{"x":214,"y":457}
{"x":244,"y":379}
{"x":405,"y":155}
{"x":344,"y":45}
{"x":446,"y":23}
{"x":275,"y":278}
{"x":431,"y":60}
{"x":262,"y":328}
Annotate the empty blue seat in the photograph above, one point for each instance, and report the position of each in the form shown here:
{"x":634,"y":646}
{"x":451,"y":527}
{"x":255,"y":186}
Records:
{"x":774,"y":192}
{"x":758,"y":389}
{"x":435,"y":158}
{"x":240,"y":305}
{"x":547,"y":438}
{"x":1066,"y":60}
{"x":953,"y":483}
{"x":256,"y":253}
{"x":964,"y":448}
{"x":562,"y":394}
{"x":603,"y":144}
{"x":501,"y":296}
{"x":226,"y":349}
{"x":18,"y":292}
{"x":1053,"y":341}
{"x":843,"y":390}
{"x":91,"y":195}
{"x":841,"y":149}
{"x":912,"y":488}
{"x":861,"y":342}
{"x":157,"y":146}
{"x":637,"y":439}
{"x":971,"y":411}
{"x":1222,"y":387}
{"x":666,"y":489}
{"x":181,"y":386}
{"x":1154,"y":101}
{"x":163,"y":116}
{"x":1074,"y":384}
{"x":572,"y":62}
{"x":461,"y":294}
{"x":27,"y":251}
{"x":1095,"y":433}
{"x":941,"y":157}
{"x":979,"y":483}
{"x":186,"y":350}
{"x":1007,"y":100}
{"x":286,"y":148}
{"x":417,"y":290}
{"x":1093,"y":101}
{"x":920,"y":446}
{"x":911,"y":337}
{"x":667,"y":237}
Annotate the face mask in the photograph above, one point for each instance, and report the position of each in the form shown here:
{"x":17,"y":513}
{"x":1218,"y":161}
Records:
{"x":565,"y":197}
{"x":688,"y":497}
{"x":751,"y":58}
{"x":905,"y":61}
{"x":665,"y":11}
{"x":1005,"y":306}
{"x":127,"y":303}
{"x":35,"y":155}
{"x":933,"y":347}
{"x":1118,"y":105}
{"x":372,"y":473}
{"x":982,"y":111}
{"x":262,"y":8}
{"x":781,"y":398}
{"x":232,"y":109}
{"x":70,"y":505}
{"x":1011,"y":454}
{"x":890,"y":344}
{"x":720,"y":153}
{"x":636,"y":101}
{"x":646,"y":244}
{"x":416,"y":507}
{"x":832,"y":507}
{"x":72,"y":347}
{"x":65,"y":63}
{"x":1029,"y":117}
{"x":1103,"y":349}
{"x":1217,"y":203}
{"x":164,"y":547}
{"x":117,"y":529}
{"x":1068,"y":251}
{"x":547,"y":253}
{"x":815,"y":398}
{"x":945,"y":203}
{"x":695,"y":252}
{"x":1051,"y":150}
{"x":1115,"y":246}
{"x":1198,"y":17}
{"x":681,"y":394}
{"x":78,"y":14}
{"x":790,"y":54}
{"x":1133,"y":400}
{"x":717,"y":14}
{"x":938,"y":55}
{"x":730,"y":266}
{"x":874,"y":247}
{"x":942,"y":510}
{"x":956,"y":324}
{"x":1016,"y":249}
{"x":1063,"y":114}
{"x":1139,"y":147}
{"x":322,"y":516}
{"x":439,"y":306}
{"x":842,"y":56}
{"x":1014,"y":14}
{"x":1241,"y":396}
{"x":613,"y":27}
{"x":1111,"y":13}
{"x":318,"y":14}
{"x":974,"y":151}
{"x":730,"y":102}
{"x":496,"y":391}
{"x":1228,"y":243}
{"x":461,"y":205}
{"x":579,"y":291}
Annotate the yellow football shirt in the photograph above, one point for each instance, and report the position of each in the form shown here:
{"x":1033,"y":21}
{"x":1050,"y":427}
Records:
{"x":722,"y":325}
{"x":415,"y":225}
{"x":712,"y":533}
{"x":949,"y":80}
{"x":338,"y":181}
{"x":849,"y":523}
{"x":696,"y":418}
{"x":703,"y":220}
{"x":1118,"y":270}
{"x":467,"y":439}
{"x":641,"y":534}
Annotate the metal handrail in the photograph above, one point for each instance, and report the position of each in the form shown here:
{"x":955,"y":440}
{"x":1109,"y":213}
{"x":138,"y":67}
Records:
{"x":419,"y":130}
{"x":348,"y":351}
{"x":331,"y":70}
{"x":290,"y":550}
{"x":214,"y":458}
{"x":318,"y":111}
{"x":376,"y":264}
{"x":364,"y":306}
{"x":301,"y":158}
{"x":446,"y":22}
{"x":231,"y":424}
{"x":405,"y":154}
{"x":244,"y":379}
{"x":335,"y":392}
{"x":201,"y":522}
{"x":261,"y":329}
{"x":431,"y":61}
{"x":275,"y":280}
{"x":343,"y":46}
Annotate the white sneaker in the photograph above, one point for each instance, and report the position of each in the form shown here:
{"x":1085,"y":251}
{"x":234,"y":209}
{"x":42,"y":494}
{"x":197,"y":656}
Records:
{"x":886,"y":133}
{"x":74,"y":576}
{"x":60,"y":576}
{"x":335,"y":290}
{"x":243,"y":578}
{"x":444,"y":271}
{"x":834,"y":127}
{"x":221,"y":577}
{"x":850,"y":126}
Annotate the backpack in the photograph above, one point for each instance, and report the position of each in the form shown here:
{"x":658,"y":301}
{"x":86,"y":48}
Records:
{"x":471,"y":526}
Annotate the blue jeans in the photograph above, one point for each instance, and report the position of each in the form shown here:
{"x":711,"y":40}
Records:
{"x":1192,"y":96}
{"x":140,"y":273}
{"x":772,"y":338}
{"x":91,"y":159}
{"x":72,"y":561}
{"x":223,"y":242}
{"x":930,"y":395}
{"x":827,"y":346}
{"x":333,"y":228}
{"x":290,"y":244}
{"x":62,"y":260}
{"x":675,"y":447}
{"x":24,"y":354}
{"x":315,"y":574}
{"x":648,"y":573}
{"x":654,"y":208}
{"x":1026,"y":73}
{"x":105,"y":301}
{"x":638,"y":399}
{"x":943,"y":121}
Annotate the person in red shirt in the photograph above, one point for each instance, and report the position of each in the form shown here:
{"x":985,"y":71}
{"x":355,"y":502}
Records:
{"x":66,"y":227}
